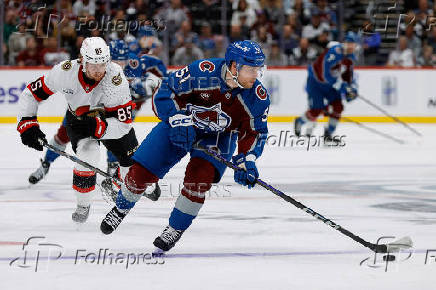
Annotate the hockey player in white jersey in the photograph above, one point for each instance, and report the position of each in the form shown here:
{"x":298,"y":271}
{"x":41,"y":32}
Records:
{"x":99,"y":109}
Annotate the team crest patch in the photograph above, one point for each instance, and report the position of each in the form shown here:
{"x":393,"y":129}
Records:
{"x":261,"y":92}
{"x":116,"y":80}
{"x":206,"y":65}
{"x":133,"y":63}
{"x":66,"y":65}
{"x":211,"y":119}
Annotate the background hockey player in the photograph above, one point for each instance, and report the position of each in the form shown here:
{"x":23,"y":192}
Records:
{"x":99,"y":109}
{"x":330,"y":78}
{"x":216,"y":102}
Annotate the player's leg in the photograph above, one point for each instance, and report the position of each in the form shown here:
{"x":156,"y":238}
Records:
{"x":60,"y":141}
{"x":316,"y":105}
{"x":112,"y":163}
{"x":152,"y":160}
{"x":335,"y":109}
{"x":84,"y":180}
{"x":201,"y":172}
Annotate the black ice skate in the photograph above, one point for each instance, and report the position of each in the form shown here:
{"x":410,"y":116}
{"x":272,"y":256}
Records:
{"x":112,"y":220}
{"x":298,"y":123}
{"x":81,"y":214}
{"x":39,"y":173}
{"x":167,"y":239}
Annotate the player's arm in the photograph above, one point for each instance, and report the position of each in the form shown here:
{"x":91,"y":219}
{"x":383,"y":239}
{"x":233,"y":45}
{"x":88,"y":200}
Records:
{"x":173,"y":88}
{"x":252,"y":137}
{"x":35,"y":92}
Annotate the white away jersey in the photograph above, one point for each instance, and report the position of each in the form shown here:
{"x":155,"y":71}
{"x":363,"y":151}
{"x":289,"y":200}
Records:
{"x":111,"y":94}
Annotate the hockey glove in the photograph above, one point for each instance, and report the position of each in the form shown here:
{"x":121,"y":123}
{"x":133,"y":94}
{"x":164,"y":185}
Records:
{"x":350,"y":92}
{"x":247,"y":174}
{"x":182,"y":132}
{"x":87,"y":126}
{"x":30,"y":133}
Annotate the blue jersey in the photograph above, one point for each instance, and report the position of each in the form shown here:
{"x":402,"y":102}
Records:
{"x":332,"y":67}
{"x":201,"y":90}
{"x":139,"y":67}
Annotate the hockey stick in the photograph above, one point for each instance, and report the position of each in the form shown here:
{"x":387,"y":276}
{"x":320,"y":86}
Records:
{"x":373,"y":130}
{"x":389,"y":115}
{"x":153,"y":196}
{"x":396,"y":246}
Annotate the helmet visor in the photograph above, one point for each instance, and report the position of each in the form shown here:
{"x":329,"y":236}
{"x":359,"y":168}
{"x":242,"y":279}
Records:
{"x":257,"y":71}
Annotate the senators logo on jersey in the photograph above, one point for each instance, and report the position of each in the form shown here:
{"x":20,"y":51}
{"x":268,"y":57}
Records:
{"x":116,"y":80}
{"x":66,"y":65}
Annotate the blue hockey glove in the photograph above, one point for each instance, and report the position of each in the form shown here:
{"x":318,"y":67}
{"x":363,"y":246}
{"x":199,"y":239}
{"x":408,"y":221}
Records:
{"x":182,"y":132}
{"x":248,"y":173}
{"x":349,"y":91}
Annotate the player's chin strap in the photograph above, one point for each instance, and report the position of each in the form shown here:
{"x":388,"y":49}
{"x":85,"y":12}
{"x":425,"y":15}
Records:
{"x":234,"y":77}
{"x":396,"y":246}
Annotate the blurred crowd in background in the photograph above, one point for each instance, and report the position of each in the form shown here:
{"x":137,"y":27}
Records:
{"x":291,"y":32}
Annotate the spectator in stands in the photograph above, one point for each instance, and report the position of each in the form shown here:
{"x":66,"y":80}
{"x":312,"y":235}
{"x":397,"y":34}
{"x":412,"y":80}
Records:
{"x":371,"y":44}
{"x":264,"y":39}
{"x":235,"y":33}
{"x":207,"y":11}
{"x":303,"y":54}
{"x":173,"y":15}
{"x":290,"y":39}
{"x":221,"y":44}
{"x":272,"y":9}
{"x":17,"y":43}
{"x":293,"y":21}
{"x":30,"y":56}
{"x":402,"y":56}
{"x":276,"y":57}
{"x":10,"y":25}
{"x":82,"y":6}
{"x":51,"y":55}
{"x":321,"y":41}
{"x":315,"y":28}
{"x":301,"y":10}
{"x":185,"y":32}
{"x":187,"y":53}
{"x":431,"y":40}
{"x":206,"y":41}
{"x":243,"y":10}
{"x":413,"y":41}
{"x":427,"y":59}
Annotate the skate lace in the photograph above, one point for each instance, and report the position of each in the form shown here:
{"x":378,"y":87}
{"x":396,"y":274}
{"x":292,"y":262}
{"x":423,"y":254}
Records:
{"x":170,"y":235}
{"x":82,"y":210}
{"x":113,"y":219}
{"x":42,"y":170}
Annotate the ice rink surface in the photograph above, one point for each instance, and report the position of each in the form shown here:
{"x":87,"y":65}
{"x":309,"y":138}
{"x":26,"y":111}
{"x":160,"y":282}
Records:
{"x":242,"y":239}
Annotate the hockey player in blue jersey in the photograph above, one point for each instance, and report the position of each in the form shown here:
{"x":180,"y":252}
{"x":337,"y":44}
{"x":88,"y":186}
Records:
{"x":330,"y":78}
{"x":218,"y":103}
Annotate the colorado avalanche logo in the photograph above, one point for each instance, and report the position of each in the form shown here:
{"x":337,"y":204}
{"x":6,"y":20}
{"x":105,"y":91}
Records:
{"x":211,"y":119}
{"x":260,"y":92}
{"x":206,"y":65}
{"x":133,"y":63}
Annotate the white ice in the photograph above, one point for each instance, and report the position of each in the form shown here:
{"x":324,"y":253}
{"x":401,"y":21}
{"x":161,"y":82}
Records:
{"x":242,"y":239}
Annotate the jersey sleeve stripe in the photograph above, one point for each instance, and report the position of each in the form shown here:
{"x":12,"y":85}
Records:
{"x":39,"y":89}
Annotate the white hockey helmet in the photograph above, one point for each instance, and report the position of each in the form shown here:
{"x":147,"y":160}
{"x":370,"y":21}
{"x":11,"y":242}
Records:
{"x":94,"y":50}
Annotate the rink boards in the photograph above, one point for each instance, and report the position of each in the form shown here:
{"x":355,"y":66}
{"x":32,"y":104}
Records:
{"x":406,"y":93}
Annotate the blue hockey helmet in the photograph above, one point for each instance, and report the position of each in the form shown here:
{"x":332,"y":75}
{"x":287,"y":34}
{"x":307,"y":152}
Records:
{"x":134,"y":46}
{"x":351,"y":37}
{"x":118,"y":49}
{"x":245,"y":52}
